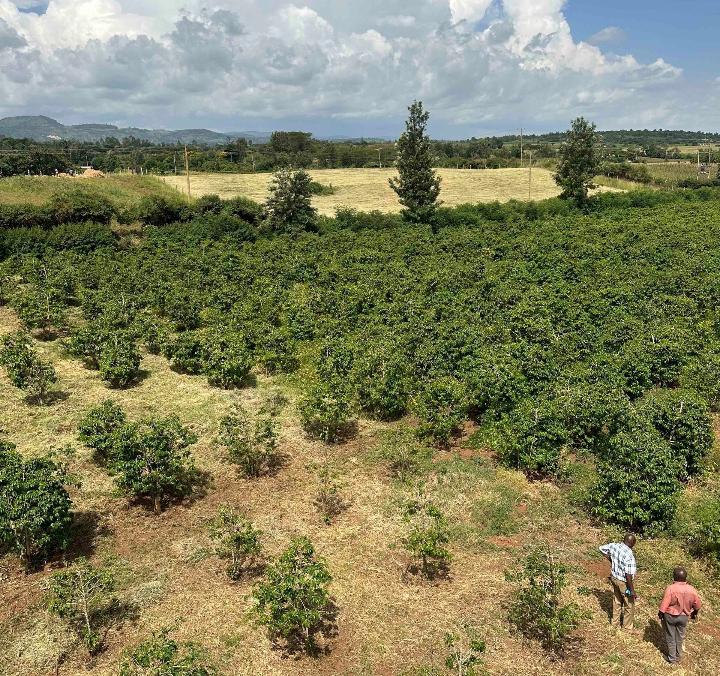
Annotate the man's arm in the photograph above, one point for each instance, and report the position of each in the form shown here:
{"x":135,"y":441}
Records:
{"x":665,"y":603}
{"x":696,"y":604}
{"x":605,"y":551}
{"x":630,"y":582}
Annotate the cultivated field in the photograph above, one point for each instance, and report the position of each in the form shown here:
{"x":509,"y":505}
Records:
{"x":368,"y":189}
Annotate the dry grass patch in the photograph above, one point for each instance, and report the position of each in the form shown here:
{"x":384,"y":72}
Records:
{"x":368,"y":189}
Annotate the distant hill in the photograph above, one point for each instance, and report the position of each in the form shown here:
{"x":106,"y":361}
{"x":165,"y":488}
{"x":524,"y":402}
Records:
{"x":41,"y":128}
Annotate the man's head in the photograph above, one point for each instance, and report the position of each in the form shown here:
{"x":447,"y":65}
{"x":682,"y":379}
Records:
{"x":680,"y":574}
{"x":630,"y":540}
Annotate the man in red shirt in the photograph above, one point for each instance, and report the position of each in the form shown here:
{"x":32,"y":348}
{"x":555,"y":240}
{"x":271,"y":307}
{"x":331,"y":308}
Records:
{"x":680,"y":603}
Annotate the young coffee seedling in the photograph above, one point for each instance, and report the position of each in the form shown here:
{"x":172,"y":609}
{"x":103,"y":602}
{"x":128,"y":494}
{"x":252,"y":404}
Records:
{"x":251,"y":442}
{"x":235,"y":540}
{"x":427,"y":537}
{"x":82,"y":595}
{"x":293,"y":600}
{"x":465,"y":649}
{"x":25,"y":368}
{"x":537,"y":611}
{"x":328,"y":497}
{"x":161,"y":655}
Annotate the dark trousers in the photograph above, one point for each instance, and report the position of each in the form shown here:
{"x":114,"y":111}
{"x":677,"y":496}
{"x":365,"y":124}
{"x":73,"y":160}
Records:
{"x":675,"y":626}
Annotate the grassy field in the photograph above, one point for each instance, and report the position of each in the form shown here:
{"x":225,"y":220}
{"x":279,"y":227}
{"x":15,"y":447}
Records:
{"x":670,"y":173}
{"x":122,"y":190}
{"x":368,"y":189}
{"x":388,"y":624}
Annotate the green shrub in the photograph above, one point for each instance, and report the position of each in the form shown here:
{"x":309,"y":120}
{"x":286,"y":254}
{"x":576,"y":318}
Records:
{"x":465,"y":649}
{"x":276,"y":351}
{"x":533,"y":438}
{"x":251,"y":442}
{"x":703,"y":375}
{"x":317,"y":188}
{"x":405,"y":455}
{"x":441,"y":406}
{"x":683,"y":419}
{"x":98,"y":429}
{"x":158,"y":211}
{"x":294,"y":600}
{"x":236,"y":540}
{"x":428,"y":535}
{"x":119,"y":362}
{"x":208,"y":204}
{"x":245,"y":209}
{"x":494,"y":381}
{"x":41,"y":307}
{"x":82,"y":595}
{"x":381,"y":375}
{"x":152,"y":461}
{"x":698,"y":523}
{"x":637,"y":482}
{"x":25,"y":368}
{"x":326,"y":410}
{"x":161,"y":655}
{"x":87,"y":343}
{"x":35,"y":515}
{"x":226,"y":360}
{"x":537,"y":611}
{"x":328,"y":497}
{"x":186,"y":352}
{"x":79,"y":206}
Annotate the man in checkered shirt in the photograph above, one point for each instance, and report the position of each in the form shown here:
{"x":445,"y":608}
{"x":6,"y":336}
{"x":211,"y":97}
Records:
{"x":623,"y":569}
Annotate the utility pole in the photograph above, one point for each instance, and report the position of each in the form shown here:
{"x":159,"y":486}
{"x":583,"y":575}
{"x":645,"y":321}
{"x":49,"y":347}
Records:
{"x":187,"y":172}
{"x":521,"y":147}
{"x":380,"y":157}
{"x":175,"y":163}
{"x":530,"y":176}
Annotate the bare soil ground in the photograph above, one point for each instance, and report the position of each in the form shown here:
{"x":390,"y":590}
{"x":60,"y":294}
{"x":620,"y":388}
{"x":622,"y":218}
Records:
{"x":388,"y":621}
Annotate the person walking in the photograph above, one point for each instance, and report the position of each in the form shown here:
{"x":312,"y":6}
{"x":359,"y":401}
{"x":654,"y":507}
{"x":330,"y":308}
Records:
{"x":623,"y":569}
{"x":679,"y":604}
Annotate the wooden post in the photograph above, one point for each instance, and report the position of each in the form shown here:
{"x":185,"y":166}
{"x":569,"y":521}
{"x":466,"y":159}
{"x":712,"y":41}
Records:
{"x":187,"y":172}
{"x":530,"y":176}
{"x":521,"y":147}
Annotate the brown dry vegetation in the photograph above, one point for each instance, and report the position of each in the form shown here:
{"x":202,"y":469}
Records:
{"x":388,"y":622}
{"x":368,"y":189}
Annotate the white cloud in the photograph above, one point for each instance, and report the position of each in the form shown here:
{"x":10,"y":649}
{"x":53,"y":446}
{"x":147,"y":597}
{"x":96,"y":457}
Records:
{"x":608,"y":35}
{"x":359,"y":60}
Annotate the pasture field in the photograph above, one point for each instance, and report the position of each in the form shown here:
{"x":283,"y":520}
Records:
{"x":122,"y":190}
{"x":368,"y":189}
{"x":670,"y":173}
{"x":561,"y":317}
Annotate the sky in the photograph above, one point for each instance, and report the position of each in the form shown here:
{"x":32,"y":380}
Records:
{"x":351,"y":67}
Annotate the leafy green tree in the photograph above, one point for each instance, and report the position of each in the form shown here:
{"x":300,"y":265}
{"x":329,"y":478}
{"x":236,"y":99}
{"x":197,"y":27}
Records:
{"x":98,"y":429}
{"x":82,"y":594}
{"x":578,"y":163}
{"x":428,"y":536}
{"x":236,"y":540}
{"x":537,"y":611}
{"x":288,"y":209}
{"x":152,"y":461}
{"x":293,"y":601}
{"x":161,"y":655}
{"x":637,"y":484}
{"x":35,"y":508}
{"x":417,"y":185}
{"x":26,"y":369}
{"x":251,"y":442}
